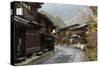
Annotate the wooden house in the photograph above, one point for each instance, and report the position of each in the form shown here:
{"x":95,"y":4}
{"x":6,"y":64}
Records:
{"x":30,"y":31}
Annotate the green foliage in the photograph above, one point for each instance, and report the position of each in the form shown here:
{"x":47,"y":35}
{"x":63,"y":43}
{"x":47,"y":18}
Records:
{"x":91,"y":54}
{"x":92,"y":27}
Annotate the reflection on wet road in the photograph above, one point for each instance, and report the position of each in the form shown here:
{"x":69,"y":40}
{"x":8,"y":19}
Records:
{"x":65,"y":54}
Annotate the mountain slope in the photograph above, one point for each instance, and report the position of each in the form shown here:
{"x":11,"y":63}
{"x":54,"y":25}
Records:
{"x":57,"y":21}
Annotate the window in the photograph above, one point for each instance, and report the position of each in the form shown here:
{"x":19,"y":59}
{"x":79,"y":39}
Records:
{"x":29,"y":7}
{"x":19,"y":11}
{"x":26,"y":6}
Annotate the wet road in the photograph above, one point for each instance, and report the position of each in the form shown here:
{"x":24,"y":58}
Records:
{"x":65,"y":54}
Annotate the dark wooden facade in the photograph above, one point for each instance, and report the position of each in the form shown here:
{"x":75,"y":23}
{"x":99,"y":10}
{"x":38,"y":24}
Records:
{"x":30,"y":32}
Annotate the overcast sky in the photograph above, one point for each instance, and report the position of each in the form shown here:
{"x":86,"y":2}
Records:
{"x":70,"y":14}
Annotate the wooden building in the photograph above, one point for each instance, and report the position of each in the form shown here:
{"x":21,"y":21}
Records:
{"x":30,"y":31}
{"x":72,"y":34}
{"x":79,"y":31}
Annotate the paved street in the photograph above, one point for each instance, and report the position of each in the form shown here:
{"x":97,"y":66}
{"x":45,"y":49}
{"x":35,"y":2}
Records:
{"x":65,"y":55}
